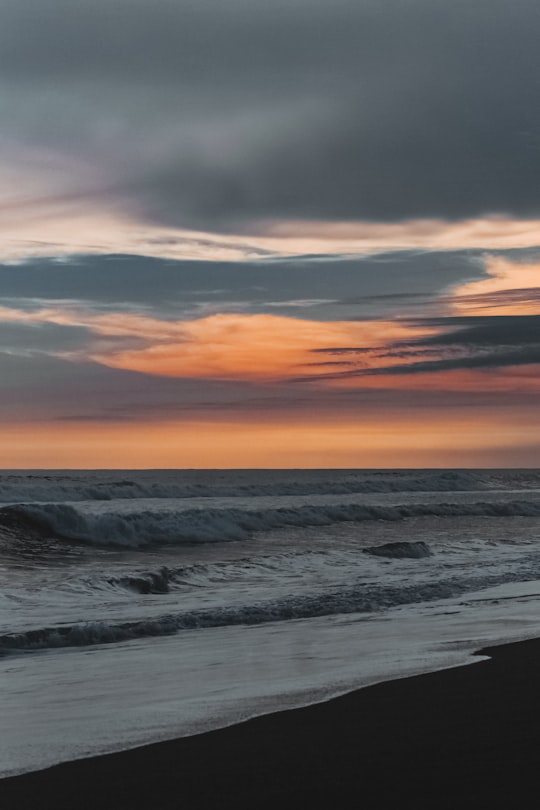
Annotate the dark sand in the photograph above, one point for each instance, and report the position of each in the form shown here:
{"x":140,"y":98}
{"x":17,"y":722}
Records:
{"x":466,"y":737}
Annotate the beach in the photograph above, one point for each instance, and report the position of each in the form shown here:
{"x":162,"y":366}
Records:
{"x":462,"y":737}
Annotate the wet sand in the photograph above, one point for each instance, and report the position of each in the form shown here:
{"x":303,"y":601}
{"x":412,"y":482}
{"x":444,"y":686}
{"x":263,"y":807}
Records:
{"x":466,"y":737}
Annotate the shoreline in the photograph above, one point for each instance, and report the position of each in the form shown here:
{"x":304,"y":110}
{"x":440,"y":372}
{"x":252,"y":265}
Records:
{"x":459,"y":737}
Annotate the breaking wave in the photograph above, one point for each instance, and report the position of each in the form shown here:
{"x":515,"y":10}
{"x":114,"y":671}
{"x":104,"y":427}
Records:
{"x":144,"y":528}
{"x":149,"y":582}
{"x":363,"y":598}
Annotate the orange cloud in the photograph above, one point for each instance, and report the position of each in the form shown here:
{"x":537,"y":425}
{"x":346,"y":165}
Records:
{"x":247,"y":346}
{"x":227,"y":346}
{"x":509,"y":289}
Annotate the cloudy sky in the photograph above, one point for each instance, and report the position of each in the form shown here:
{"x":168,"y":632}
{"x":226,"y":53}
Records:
{"x":269,"y":233}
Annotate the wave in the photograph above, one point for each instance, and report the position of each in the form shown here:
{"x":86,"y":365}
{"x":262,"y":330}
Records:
{"x":138,"y":529}
{"x":363,"y":598}
{"x":149,"y":582}
{"x":77,"y":487}
{"x":400,"y":550}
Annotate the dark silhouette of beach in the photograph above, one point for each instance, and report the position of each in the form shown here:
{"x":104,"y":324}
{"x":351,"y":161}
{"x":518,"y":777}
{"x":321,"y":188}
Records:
{"x":460,"y":738}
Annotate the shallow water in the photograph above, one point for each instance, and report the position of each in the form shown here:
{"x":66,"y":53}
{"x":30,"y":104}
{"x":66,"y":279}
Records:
{"x":136,"y":606}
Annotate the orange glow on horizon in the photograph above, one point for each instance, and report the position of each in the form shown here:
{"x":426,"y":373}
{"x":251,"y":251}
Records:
{"x":419,"y":439}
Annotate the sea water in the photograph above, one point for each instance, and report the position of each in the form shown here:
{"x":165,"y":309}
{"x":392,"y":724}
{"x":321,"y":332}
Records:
{"x":140,"y":606}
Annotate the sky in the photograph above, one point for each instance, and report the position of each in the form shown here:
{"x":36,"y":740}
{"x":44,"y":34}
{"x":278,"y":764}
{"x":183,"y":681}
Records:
{"x":269,"y":233}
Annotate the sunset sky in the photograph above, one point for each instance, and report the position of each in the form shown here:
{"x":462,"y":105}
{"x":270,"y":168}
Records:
{"x":269,"y":233}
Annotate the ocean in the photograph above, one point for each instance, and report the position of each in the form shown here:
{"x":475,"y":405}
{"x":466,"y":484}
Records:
{"x":138,"y":606}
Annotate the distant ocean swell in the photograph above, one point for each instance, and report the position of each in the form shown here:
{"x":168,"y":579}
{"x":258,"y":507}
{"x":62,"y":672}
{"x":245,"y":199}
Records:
{"x":137,"y":529}
{"x":360,"y":599}
{"x":77,"y":487}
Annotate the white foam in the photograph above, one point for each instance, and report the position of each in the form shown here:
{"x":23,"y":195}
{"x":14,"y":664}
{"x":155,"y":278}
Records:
{"x":64,"y":705}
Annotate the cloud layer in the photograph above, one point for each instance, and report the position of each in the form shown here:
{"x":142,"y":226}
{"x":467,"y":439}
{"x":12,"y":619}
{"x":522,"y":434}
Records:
{"x":311,"y":219}
{"x":225,"y":115}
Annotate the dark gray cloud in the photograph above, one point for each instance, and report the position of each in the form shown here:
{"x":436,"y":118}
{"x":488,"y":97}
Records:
{"x":22,"y":338}
{"x":317,"y":288}
{"x":343,"y":350}
{"x":39,"y":338}
{"x":464,"y":342}
{"x":224,"y":112}
{"x":503,"y":298}
{"x":474,"y":331}
{"x":42,"y":388}
{"x":495,"y":341}
{"x":525,"y":356}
